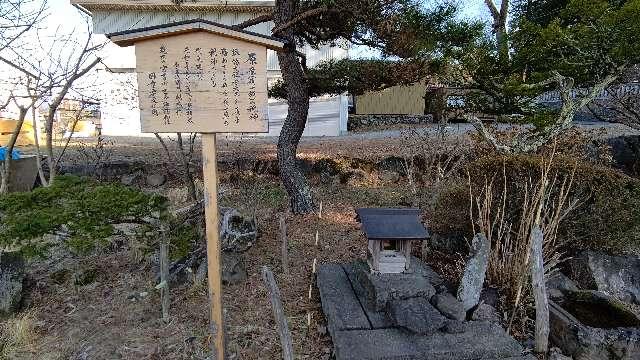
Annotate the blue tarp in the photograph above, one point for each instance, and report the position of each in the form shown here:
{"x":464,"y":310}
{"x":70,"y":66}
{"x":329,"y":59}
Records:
{"x":3,"y":153}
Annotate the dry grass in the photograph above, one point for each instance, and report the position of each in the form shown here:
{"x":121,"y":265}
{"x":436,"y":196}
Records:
{"x":543,"y":203}
{"x":17,"y":334}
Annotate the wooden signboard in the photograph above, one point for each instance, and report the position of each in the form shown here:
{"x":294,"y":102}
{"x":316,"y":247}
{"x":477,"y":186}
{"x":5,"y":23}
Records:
{"x":202,"y":82}
{"x":199,"y":76}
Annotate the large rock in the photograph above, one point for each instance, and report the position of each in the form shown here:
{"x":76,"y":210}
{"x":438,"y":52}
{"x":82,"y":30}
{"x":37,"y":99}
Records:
{"x":588,"y":325}
{"x":340,"y":304}
{"x":449,"y":306}
{"x":625,"y":151}
{"x":416,"y":315}
{"x":238,"y":232}
{"x":617,"y":276}
{"x":556,"y":354}
{"x":477,"y":341}
{"x":377,"y":319}
{"x":474,"y":272}
{"x":11,"y":278}
{"x":561,"y":282}
{"x":156,"y":180}
{"x":485,"y":312}
{"x":234,"y":270}
{"x":558,"y":283}
{"x":381,"y":344}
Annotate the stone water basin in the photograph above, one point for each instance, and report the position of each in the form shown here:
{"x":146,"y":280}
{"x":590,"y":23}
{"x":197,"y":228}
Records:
{"x":589,"y":325}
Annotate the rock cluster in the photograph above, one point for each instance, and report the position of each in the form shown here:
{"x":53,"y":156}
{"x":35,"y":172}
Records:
{"x":359,"y":122}
{"x":404,"y":316}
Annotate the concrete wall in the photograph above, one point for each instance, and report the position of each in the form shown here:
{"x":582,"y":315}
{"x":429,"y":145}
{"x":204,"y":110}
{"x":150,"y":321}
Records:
{"x":407,"y":100}
{"x":327,"y":116}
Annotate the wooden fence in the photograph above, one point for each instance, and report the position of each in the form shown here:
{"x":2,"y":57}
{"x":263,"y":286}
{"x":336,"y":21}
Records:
{"x":397,"y":100}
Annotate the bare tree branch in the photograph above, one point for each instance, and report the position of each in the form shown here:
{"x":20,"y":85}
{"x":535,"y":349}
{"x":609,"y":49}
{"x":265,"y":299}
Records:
{"x":493,"y":9}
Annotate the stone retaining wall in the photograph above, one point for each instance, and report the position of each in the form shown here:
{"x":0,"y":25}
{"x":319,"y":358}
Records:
{"x":360,"y":122}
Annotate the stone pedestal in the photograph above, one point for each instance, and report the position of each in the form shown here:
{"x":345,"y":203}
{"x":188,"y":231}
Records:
{"x":390,"y":316}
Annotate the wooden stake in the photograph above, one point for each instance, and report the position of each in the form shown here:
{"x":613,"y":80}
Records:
{"x":539,"y":292}
{"x":164,"y":276}
{"x":285,"y":245}
{"x":210,"y":172}
{"x":278,"y":313}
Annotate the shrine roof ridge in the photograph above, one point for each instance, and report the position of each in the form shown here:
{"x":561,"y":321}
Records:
{"x":129,"y":37}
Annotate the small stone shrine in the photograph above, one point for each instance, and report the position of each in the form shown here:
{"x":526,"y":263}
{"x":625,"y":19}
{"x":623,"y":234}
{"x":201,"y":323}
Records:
{"x":390,"y":233}
{"x":382,"y":309}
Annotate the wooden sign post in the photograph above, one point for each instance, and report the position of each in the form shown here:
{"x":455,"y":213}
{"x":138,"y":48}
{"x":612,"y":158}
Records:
{"x":199,"y":76}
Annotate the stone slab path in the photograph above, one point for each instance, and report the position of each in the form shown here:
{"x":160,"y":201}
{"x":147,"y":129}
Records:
{"x":359,"y":332}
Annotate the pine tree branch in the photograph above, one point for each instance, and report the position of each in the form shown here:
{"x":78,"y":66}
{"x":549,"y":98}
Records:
{"x":255,"y":21}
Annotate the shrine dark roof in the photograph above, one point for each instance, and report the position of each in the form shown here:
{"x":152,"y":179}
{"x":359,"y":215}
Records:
{"x":392,"y":223}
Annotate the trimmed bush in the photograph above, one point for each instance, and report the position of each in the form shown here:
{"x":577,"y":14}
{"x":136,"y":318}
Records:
{"x":82,"y":209}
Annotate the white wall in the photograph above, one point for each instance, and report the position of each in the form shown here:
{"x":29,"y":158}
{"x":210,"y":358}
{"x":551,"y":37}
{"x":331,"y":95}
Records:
{"x":327,"y":116}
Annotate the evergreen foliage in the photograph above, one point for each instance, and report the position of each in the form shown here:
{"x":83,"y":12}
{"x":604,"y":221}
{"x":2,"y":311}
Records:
{"x":80,"y":209}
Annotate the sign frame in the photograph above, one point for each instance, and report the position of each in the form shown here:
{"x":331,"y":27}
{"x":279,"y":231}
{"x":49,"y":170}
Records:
{"x":209,"y":161}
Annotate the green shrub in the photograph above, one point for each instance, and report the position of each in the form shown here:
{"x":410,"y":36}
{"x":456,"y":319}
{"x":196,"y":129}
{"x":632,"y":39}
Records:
{"x":182,"y":239}
{"x":607,"y":217}
{"x":81,"y":208}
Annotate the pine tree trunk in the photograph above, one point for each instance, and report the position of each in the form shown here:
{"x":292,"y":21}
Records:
{"x":297,"y":186}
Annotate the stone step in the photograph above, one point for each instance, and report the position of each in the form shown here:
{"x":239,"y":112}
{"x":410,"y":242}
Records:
{"x":395,"y":344}
{"x":380,"y":344}
{"x":339,"y":303}
{"x":476,"y":342}
{"x":377,"y":319}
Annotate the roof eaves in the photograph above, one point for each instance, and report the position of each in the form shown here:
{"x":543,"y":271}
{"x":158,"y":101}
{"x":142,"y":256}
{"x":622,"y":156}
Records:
{"x":239,"y":6}
{"x":127,"y":37}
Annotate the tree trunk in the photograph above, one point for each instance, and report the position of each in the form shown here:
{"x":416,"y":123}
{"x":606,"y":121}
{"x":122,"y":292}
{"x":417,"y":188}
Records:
{"x":297,"y":186}
{"x":36,"y":137}
{"x":501,"y":40}
{"x":186,"y":169}
{"x":6,"y":165}
{"x":49,"y":143}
